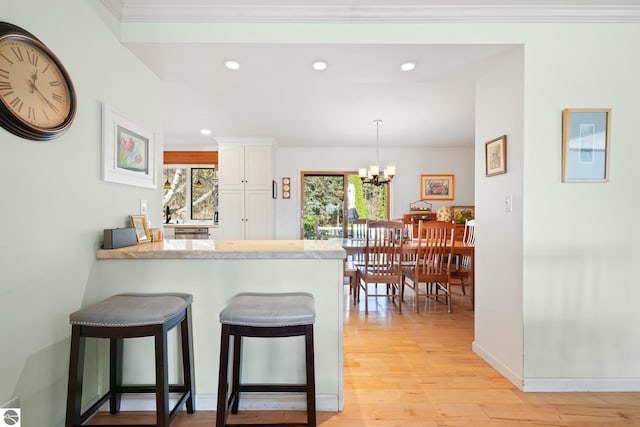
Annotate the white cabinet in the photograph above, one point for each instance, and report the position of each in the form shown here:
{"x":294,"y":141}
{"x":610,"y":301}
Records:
{"x":245,"y":203}
{"x":245,"y":215}
{"x":244,"y":167}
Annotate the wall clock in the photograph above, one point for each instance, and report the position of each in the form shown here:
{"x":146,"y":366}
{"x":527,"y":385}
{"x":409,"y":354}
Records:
{"x":37,"y":98}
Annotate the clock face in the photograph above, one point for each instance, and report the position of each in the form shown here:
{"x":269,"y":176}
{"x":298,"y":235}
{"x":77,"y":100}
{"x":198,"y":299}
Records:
{"x":36,"y":93}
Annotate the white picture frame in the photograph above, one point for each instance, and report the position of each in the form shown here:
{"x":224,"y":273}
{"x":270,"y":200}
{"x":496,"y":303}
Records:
{"x":128,"y":151}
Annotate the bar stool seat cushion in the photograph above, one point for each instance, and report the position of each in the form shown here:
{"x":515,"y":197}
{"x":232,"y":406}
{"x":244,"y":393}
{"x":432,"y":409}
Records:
{"x":269,"y":310}
{"x":132,"y":310}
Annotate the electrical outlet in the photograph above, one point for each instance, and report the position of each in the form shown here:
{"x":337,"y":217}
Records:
{"x":143,"y":207}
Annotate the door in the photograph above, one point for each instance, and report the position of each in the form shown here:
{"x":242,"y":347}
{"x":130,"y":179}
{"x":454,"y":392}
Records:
{"x":331,"y":200}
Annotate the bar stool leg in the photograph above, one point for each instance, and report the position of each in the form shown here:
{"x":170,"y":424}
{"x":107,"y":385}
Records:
{"x":76,"y":372}
{"x":235,"y":380}
{"x":162,"y":378}
{"x":115,"y":374}
{"x":187,"y":360}
{"x":221,"y":411}
{"x":311,"y":386}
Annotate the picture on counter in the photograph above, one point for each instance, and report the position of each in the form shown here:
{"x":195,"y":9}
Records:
{"x":139,"y":222}
{"x":461,"y":214}
{"x":495,"y":156}
{"x":437,"y":187}
{"x":127,"y":151}
{"x":585,"y":144}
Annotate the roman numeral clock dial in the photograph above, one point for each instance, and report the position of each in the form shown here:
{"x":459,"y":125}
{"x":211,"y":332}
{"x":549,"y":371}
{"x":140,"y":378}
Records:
{"x":37,"y":98}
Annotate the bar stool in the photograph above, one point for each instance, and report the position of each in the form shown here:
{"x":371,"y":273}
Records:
{"x":132,"y":316}
{"x":265,"y":316}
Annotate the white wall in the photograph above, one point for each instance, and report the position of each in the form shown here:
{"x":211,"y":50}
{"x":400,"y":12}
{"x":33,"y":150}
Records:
{"x":581,"y":288}
{"x":498,"y":319}
{"x":410,"y":163}
{"x":55,"y":205}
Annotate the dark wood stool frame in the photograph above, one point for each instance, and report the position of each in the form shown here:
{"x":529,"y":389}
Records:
{"x":162,"y":388}
{"x":238,"y":331}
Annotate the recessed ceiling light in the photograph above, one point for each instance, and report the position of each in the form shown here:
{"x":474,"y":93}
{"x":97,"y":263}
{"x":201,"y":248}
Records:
{"x":320,"y":65}
{"x":205,"y":131}
{"x":408,"y":66}
{"x":232,"y":65}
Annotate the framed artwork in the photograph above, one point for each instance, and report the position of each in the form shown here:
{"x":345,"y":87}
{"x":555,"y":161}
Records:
{"x":461,"y":214}
{"x":139,"y":222}
{"x":495,"y":156}
{"x":585,"y":144}
{"x":437,"y":187}
{"x":128,"y":151}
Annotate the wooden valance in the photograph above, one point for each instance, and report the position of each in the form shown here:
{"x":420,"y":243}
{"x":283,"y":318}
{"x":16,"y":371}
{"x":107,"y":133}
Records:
{"x":190,"y":158}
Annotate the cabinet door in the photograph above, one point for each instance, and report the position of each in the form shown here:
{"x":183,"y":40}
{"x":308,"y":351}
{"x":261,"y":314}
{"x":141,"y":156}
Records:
{"x":231,"y":172}
{"x":259,"y":215}
{"x":231,"y":215}
{"x":257,"y":167}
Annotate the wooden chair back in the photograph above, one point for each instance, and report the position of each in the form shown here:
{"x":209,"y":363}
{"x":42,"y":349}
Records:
{"x":383,"y":249}
{"x":469,"y":232}
{"x":435,"y":242}
{"x":359,"y":229}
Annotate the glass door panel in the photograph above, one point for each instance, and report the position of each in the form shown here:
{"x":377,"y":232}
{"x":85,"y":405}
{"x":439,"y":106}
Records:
{"x":327,"y":213}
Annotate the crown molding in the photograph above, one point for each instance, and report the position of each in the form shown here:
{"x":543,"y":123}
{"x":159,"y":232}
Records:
{"x":174,"y":11}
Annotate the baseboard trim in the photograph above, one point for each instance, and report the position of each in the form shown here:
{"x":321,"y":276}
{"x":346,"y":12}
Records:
{"x":249,"y":401}
{"x":559,"y":385}
{"x":505,"y":371}
{"x":581,"y":385}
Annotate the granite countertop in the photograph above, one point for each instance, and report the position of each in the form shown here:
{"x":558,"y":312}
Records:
{"x":190,"y":225}
{"x":228,"y":249}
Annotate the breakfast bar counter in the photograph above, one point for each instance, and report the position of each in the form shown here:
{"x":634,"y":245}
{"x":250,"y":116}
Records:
{"x":213,"y":271}
{"x":228,"y":249}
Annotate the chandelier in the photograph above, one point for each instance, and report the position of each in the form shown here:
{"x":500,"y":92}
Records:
{"x":373,"y":175}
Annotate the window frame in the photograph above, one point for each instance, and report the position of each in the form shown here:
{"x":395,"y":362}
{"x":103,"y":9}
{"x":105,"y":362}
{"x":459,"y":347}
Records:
{"x":188,"y":187}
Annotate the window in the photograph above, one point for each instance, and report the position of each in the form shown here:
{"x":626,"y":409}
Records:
{"x":325,"y":206}
{"x":190,"y":193}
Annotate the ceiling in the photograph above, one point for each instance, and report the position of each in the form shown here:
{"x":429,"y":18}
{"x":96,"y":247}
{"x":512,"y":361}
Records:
{"x":276,"y":93}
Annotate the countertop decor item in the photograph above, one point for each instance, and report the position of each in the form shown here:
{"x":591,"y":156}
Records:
{"x":37,"y":97}
{"x":139,"y":222}
{"x":420,"y":205}
{"x":444,"y":214}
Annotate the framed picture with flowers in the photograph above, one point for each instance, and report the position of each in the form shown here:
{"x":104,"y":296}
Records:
{"x":437,"y":187}
{"x":128,"y":151}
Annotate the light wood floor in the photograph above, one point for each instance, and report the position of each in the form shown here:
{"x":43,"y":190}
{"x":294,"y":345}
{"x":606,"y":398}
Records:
{"x":418,"y":370}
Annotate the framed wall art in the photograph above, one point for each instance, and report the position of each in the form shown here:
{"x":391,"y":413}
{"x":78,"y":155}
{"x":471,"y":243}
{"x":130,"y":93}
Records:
{"x":139,"y":222}
{"x":495,"y":156}
{"x":128,"y":151}
{"x":460,"y":214}
{"x":437,"y":187}
{"x":585,"y":144}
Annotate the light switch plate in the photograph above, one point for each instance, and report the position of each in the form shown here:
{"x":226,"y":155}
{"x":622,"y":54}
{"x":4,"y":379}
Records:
{"x":143,"y":207}
{"x":508,"y":203}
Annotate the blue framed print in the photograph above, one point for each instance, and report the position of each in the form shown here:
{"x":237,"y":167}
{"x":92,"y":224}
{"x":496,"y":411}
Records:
{"x":585,"y":144}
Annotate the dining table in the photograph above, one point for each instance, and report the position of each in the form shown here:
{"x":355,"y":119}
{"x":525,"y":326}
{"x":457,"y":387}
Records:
{"x":358,"y":246}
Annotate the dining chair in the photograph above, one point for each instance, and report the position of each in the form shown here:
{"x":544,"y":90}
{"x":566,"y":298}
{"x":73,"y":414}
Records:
{"x":432,"y":265}
{"x":462,"y":268}
{"x":382,"y":256}
{"x":357,"y":231}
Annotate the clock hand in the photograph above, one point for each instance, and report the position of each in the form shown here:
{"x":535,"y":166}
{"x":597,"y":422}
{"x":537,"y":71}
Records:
{"x":34,"y":87}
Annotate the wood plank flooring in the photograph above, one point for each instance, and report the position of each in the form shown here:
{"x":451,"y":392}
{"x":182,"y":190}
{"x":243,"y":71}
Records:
{"x":418,"y":370}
